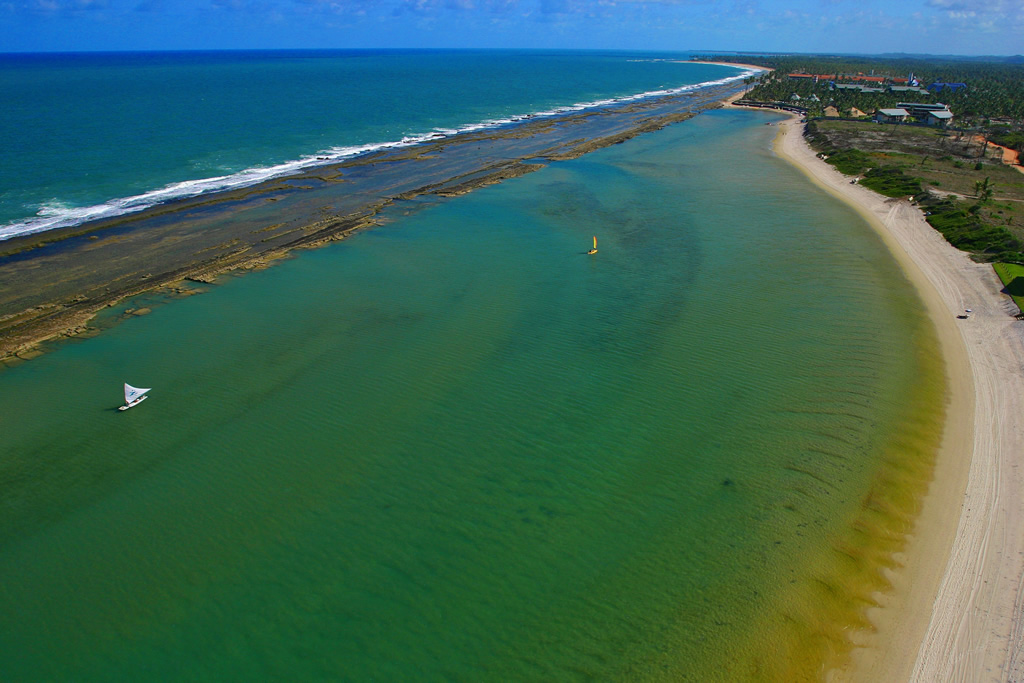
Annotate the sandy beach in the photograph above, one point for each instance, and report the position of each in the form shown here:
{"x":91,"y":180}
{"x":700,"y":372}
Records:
{"x":954,"y":613}
{"x":755,"y":67}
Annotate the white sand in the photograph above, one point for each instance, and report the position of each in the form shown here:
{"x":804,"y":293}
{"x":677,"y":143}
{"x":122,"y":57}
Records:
{"x":955,"y":613}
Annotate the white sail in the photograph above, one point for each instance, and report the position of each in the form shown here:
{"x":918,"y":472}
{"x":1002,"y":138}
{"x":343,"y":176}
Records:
{"x":133,"y":393}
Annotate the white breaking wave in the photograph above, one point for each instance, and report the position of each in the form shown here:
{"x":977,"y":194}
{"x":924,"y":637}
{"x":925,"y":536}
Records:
{"x":53,"y":214}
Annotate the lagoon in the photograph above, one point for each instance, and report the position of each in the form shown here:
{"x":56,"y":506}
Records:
{"x":457,"y":447}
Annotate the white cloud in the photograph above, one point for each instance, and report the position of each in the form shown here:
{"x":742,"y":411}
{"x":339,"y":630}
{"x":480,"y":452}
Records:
{"x":973,"y":8}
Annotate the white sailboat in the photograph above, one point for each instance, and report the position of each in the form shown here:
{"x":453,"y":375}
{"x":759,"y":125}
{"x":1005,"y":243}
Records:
{"x":133,"y":396}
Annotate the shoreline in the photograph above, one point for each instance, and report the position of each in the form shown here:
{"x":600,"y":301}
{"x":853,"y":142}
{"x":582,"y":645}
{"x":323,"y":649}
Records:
{"x":53,"y":283}
{"x":745,"y":66}
{"x":951,"y":613}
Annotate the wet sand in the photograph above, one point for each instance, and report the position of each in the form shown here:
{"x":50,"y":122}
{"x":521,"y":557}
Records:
{"x":954,"y":613}
{"x":53,"y":283}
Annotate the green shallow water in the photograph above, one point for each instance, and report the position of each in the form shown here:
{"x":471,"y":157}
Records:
{"x":457,"y":448}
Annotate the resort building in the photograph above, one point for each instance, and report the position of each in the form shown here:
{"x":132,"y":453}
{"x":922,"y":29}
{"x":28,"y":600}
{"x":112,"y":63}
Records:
{"x":891,"y":115}
{"x":854,"y":87}
{"x":873,"y":83}
{"x":868,"y":79}
{"x":932,"y":114}
{"x":812,"y":77}
{"x":831,"y":112}
{"x":940,"y":118}
{"x":920,"y":110}
{"x":908,"y":89}
{"x":939,"y":86}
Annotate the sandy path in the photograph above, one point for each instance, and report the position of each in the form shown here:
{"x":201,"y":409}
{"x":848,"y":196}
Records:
{"x":956,"y":611}
{"x":1009,"y":156}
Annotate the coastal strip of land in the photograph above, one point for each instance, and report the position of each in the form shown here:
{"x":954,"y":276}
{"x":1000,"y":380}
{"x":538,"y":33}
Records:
{"x":53,"y":283}
{"x":955,"y":611}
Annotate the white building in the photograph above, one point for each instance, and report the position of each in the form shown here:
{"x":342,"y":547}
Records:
{"x":891,"y":115}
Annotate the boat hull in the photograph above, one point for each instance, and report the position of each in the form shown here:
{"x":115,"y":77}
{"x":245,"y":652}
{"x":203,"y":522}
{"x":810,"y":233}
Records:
{"x":133,"y":403}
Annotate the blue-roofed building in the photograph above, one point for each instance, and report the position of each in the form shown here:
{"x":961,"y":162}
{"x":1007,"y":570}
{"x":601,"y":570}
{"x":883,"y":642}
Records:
{"x":939,"y":86}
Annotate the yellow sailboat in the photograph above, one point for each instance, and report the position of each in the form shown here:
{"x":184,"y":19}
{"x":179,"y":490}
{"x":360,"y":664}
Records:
{"x":594,"y":250}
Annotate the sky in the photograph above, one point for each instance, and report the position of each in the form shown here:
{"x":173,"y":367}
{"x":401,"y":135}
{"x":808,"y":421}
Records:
{"x":965,"y":27}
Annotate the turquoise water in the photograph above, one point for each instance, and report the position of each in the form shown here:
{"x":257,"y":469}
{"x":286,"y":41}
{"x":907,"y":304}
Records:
{"x":455,"y":447}
{"x":93,"y":135}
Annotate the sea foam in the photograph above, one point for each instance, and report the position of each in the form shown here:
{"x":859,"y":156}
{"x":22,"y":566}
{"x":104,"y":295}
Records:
{"x":55,"y":214}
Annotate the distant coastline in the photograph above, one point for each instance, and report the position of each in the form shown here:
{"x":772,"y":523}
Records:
{"x":57,"y":217}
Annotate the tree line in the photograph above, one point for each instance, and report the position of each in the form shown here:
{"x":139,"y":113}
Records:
{"x":995,"y":89}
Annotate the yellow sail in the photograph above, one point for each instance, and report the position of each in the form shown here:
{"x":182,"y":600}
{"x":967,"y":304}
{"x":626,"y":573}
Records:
{"x":594,"y":250}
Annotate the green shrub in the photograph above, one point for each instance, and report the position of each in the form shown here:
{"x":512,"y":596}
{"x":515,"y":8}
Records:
{"x":850,"y":161}
{"x":966,"y":230}
{"x":1008,"y":138}
{"x":1012,"y":276}
{"x":891,"y":181}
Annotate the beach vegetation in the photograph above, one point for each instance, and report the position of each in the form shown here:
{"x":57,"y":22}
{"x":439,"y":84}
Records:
{"x":966,"y":227}
{"x":1012,"y":277}
{"x":978,"y":210}
{"x":850,"y":161}
{"x":1007,"y":137}
{"x":891,"y":181}
{"x":983,"y":189}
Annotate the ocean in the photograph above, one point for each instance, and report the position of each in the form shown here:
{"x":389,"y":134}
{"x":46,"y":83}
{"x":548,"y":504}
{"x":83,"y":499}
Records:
{"x":457,"y":447}
{"x":90,"y":136}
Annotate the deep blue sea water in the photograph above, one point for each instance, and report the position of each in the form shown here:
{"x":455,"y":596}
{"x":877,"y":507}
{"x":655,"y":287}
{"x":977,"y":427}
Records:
{"x":92,"y":135}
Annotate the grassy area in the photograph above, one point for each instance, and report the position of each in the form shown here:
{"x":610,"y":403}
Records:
{"x":1012,"y":276}
{"x":942,"y":170}
{"x":945,"y":162}
{"x":891,"y":181}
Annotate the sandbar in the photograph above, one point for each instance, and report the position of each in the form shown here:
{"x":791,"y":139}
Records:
{"x":955,"y":610}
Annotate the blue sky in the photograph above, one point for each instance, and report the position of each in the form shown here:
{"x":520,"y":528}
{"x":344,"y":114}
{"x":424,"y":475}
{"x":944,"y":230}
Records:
{"x":968,"y":27}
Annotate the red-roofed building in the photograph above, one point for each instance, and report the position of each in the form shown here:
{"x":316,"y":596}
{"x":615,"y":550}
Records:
{"x":819,"y":77}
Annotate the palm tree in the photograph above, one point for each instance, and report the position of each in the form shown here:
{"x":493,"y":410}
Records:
{"x":983,"y":190}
